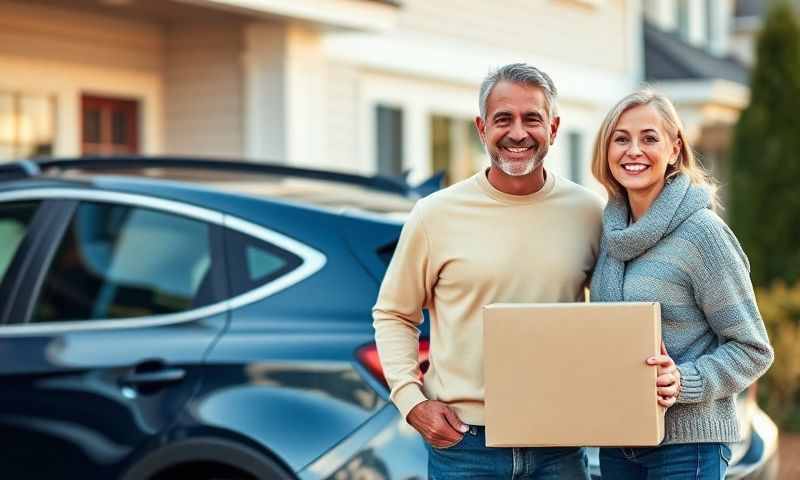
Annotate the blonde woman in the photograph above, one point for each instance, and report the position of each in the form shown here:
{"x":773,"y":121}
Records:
{"x":663,"y":242}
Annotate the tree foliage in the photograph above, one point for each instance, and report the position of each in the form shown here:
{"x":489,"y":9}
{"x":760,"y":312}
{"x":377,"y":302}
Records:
{"x":765,"y":155}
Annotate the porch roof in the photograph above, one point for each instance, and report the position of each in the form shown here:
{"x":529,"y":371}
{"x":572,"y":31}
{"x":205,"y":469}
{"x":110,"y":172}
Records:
{"x":667,"y":57}
{"x":360,"y":15}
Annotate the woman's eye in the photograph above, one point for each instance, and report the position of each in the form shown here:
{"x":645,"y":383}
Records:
{"x":621,"y":140}
{"x":650,"y":139}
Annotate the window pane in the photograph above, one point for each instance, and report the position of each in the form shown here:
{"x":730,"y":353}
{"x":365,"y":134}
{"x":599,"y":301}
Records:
{"x":254,"y":262}
{"x":455,"y":148}
{"x":119,"y":261}
{"x":575,"y":156}
{"x":8,"y":131}
{"x":390,"y":140}
{"x":261,"y":263}
{"x":91,"y":126}
{"x":36,"y":126}
{"x":119,"y":128}
{"x":14,"y":221}
{"x":27,"y":125}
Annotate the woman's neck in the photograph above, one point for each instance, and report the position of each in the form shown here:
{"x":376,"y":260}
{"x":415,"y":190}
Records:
{"x":639,"y":201}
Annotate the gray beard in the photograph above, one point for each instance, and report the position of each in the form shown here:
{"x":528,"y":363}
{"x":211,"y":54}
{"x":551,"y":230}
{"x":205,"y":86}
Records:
{"x":515,"y":169}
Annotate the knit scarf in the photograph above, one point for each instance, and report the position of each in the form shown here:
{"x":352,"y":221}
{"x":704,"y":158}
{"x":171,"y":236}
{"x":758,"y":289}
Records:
{"x":621,"y":242}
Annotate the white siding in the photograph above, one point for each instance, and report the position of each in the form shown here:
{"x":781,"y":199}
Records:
{"x":565,"y":29}
{"x":342,"y":117}
{"x":51,"y":33}
{"x":203,"y":89}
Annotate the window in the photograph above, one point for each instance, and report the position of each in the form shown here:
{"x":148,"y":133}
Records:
{"x":119,"y":261}
{"x":455,"y":148}
{"x":575,"y":156}
{"x":27,"y":125}
{"x":14,"y":220}
{"x":254,"y":262}
{"x":389,"y":136}
{"x":110,"y":126}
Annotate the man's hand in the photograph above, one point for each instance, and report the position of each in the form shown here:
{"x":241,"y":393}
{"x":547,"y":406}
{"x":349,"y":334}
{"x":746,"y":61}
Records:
{"x":437,"y":423}
{"x":668,"y":382}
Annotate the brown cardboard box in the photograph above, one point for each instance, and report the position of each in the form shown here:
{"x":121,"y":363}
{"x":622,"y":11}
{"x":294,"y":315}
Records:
{"x":572,"y":374}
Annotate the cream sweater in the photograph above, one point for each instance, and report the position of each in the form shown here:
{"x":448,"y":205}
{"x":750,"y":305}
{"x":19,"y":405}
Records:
{"x":465,"y":247}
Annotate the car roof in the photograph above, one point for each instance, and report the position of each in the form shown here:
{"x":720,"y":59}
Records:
{"x":207,"y":181}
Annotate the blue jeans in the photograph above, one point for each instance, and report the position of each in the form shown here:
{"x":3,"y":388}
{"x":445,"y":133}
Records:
{"x":471,"y":458}
{"x":690,"y":461}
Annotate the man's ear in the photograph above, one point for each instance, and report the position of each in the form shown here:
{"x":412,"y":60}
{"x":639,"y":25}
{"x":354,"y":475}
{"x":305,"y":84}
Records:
{"x":480,"y":127}
{"x":554,"y":124}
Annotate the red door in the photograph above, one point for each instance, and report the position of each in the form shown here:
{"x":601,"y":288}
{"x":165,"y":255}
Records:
{"x":109,"y":126}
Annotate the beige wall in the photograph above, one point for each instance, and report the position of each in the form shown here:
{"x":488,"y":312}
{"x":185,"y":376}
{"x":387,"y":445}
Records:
{"x":204,"y":84}
{"x":570,"y":30}
{"x":58,"y":34}
{"x":342,"y":119}
{"x":63,"y":53}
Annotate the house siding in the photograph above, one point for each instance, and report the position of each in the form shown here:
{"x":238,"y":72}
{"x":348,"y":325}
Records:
{"x":565,"y":29}
{"x":50,"y":33}
{"x":342,"y":118}
{"x":203,"y":79}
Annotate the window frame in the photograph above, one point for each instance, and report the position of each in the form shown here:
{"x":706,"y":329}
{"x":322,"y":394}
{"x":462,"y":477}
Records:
{"x":41,"y":258}
{"x":44,"y":219}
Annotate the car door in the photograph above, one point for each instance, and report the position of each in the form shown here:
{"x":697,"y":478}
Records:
{"x":115,"y":300}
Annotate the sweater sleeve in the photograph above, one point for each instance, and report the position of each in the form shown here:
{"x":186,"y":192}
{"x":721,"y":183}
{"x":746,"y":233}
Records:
{"x":724,"y":292}
{"x":397,"y":314}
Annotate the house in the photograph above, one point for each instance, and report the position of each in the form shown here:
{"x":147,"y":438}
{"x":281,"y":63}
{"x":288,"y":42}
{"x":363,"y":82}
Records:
{"x":696,"y":55}
{"x":355,"y":85}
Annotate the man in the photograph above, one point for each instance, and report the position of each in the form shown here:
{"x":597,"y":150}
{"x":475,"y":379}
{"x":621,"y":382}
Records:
{"x":512,"y":233}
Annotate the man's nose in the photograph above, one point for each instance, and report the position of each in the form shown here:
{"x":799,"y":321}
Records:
{"x":517,"y":133}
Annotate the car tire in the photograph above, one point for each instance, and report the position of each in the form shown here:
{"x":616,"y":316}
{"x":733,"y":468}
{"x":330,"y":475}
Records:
{"x":208,"y":459}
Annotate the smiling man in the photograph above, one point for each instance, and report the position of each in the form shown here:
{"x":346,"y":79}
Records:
{"x":514,"y":232}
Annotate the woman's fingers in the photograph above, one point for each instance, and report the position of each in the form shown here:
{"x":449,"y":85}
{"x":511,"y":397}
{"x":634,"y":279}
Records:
{"x":666,"y":402}
{"x":666,"y":380}
{"x":661,"y":360}
{"x":670,"y":391}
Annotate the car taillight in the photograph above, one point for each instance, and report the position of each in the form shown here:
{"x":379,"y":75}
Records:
{"x":368,"y":356}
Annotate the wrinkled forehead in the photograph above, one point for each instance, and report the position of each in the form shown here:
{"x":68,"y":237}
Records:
{"x":516,"y":97}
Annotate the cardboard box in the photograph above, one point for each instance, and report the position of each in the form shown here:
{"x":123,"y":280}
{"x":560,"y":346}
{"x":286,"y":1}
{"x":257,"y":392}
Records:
{"x":572,"y":374}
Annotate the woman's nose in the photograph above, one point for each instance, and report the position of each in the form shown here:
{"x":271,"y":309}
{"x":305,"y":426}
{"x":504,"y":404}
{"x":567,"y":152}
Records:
{"x":634,"y":150}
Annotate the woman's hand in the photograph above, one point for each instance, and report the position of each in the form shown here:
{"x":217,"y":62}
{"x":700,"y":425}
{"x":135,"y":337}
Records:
{"x":668,"y":382}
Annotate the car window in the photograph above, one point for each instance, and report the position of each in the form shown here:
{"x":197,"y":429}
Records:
{"x":15,"y":217}
{"x":255,"y":262}
{"x":118,"y":261}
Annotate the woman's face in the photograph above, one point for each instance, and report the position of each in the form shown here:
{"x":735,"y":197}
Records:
{"x":640,"y":150}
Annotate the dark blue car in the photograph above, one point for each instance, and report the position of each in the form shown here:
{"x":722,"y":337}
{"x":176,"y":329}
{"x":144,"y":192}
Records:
{"x":155,"y":325}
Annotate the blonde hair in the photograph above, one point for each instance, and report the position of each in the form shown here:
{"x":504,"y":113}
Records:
{"x":686,"y":163}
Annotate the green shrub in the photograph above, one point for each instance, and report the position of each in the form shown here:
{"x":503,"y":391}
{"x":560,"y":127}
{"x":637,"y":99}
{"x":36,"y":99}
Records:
{"x":779,"y":389}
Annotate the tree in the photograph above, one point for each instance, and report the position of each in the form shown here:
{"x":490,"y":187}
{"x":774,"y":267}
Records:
{"x":765,"y":156}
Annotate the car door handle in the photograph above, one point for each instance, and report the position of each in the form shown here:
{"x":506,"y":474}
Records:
{"x":168,"y":375}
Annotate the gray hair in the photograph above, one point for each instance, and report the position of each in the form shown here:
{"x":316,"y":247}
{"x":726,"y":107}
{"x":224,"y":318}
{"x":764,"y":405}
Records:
{"x":520,"y":73}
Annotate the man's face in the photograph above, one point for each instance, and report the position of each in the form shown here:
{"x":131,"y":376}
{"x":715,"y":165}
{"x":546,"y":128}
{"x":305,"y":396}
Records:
{"x":517,"y":131}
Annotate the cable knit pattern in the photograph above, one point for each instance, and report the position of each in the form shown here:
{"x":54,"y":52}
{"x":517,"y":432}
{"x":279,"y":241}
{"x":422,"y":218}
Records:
{"x":682,"y":255}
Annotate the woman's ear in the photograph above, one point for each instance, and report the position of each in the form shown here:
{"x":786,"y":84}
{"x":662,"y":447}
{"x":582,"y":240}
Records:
{"x":677,"y":148}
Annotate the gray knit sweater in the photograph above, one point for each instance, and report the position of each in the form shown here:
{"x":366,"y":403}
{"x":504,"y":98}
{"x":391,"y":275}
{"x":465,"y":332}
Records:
{"x":682,"y":255}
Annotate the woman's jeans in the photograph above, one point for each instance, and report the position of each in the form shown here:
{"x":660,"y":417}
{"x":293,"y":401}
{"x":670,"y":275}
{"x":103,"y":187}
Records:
{"x":470,"y":458}
{"x":691,"y":461}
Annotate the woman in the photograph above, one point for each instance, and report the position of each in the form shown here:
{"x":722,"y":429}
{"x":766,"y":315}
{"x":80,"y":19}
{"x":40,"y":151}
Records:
{"x":663,"y":242}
